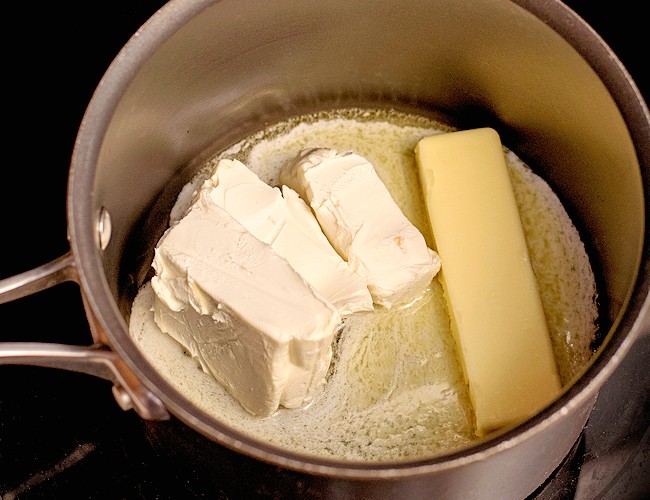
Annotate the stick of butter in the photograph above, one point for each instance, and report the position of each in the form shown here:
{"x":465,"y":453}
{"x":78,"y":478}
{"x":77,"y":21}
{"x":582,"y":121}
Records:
{"x":496,"y":312}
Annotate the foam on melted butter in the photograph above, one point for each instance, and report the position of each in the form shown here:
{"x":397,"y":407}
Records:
{"x":394,"y":389}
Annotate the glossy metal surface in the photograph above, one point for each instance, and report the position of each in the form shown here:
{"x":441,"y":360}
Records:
{"x":165,"y":104}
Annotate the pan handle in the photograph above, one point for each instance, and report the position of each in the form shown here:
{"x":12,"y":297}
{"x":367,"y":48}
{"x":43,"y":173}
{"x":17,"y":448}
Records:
{"x":97,"y":359}
{"x":40,"y":278}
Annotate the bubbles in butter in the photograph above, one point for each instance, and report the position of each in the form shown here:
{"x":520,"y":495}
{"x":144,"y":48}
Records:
{"x":394,"y":389}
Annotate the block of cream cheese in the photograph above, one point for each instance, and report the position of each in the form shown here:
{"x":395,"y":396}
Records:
{"x":363,"y":223}
{"x":284,"y":221}
{"x":492,"y":293}
{"x":237,"y":306}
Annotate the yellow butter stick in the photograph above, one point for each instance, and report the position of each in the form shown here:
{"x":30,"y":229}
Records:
{"x":492,"y":294}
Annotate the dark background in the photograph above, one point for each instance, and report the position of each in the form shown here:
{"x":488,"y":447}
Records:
{"x":61,"y":434}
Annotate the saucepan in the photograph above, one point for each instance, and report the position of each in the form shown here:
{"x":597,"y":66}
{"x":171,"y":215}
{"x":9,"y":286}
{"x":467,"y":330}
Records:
{"x":202,"y":74}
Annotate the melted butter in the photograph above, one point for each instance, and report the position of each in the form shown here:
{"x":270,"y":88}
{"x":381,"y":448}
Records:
{"x":394,"y":389}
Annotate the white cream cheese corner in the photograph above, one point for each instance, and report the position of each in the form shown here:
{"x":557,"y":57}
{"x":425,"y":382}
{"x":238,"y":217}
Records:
{"x":248,"y":317}
{"x":363,"y":223}
{"x":284,"y":221}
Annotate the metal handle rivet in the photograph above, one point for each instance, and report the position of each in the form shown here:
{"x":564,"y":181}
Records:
{"x":122,"y":397}
{"x":103,"y":228}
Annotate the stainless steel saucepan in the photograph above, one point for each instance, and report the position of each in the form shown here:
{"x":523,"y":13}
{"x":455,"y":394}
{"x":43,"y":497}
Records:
{"x":201,"y":74}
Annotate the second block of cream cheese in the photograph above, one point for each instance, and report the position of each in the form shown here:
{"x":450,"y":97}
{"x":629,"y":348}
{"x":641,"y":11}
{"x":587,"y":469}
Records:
{"x":249,"y":318}
{"x":363,"y":223}
{"x":492,"y":293}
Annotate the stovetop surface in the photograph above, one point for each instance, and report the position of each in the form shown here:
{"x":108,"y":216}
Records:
{"x":62,"y":434}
